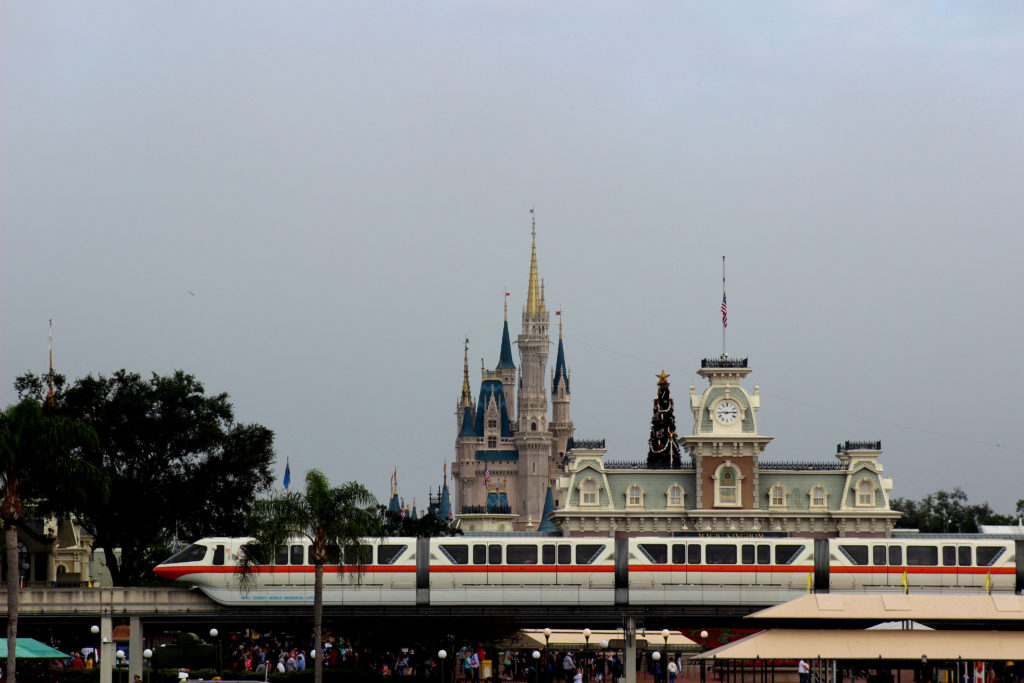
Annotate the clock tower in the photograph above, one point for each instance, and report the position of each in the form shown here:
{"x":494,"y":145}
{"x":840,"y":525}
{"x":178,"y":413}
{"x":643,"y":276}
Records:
{"x":725,"y":445}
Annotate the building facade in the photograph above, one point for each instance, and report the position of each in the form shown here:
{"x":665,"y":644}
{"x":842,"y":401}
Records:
{"x":508,"y":450}
{"x":725,"y":487}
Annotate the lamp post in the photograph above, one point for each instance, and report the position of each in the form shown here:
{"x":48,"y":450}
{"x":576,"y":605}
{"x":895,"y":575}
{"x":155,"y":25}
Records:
{"x":536,"y":666}
{"x":220,"y":660}
{"x":656,"y":657}
{"x":703,"y":641}
{"x":586,"y":654}
{"x":442,"y":654}
{"x":147,"y":655}
{"x":924,"y":668}
{"x":547,"y":639}
{"x":119,"y":662}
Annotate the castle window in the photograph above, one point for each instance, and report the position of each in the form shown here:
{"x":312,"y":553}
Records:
{"x":492,"y":442}
{"x":533,"y":426}
{"x":818,"y":497}
{"x":777,"y":497}
{"x":634,"y":496}
{"x":675,"y":496}
{"x":865,"y":493}
{"x":492,"y":424}
{"x":589,"y":492}
{"x":728,"y":485}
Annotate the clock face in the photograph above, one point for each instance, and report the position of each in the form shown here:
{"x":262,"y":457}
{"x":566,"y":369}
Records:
{"x":726,"y":412}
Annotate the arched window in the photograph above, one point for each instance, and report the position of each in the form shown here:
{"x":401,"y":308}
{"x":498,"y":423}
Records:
{"x":634,"y":496}
{"x":675,"y":496}
{"x":589,"y":492}
{"x":818,"y":497}
{"x":777,"y":496}
{"x":728,"y":485}
{"x":865,"y":492}
{"x":533,"y":426}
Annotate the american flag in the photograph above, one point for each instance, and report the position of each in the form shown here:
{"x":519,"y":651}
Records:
{"x":487,"y":477}
{"x":725,"y":317}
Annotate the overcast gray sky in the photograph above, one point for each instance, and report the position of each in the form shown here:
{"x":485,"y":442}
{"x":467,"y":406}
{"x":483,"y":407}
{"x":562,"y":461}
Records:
{"x":345,"y":186}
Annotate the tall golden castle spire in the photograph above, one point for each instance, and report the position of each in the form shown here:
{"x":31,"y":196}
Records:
{"x":534,"y":292}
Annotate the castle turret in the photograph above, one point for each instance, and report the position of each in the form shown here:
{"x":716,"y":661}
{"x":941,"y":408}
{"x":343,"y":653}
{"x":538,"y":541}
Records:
{"x":561,"y":423}
{"x":506,"y":369}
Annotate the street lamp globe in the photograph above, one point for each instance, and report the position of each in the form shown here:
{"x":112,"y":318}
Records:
{"x":703,"y":634}
{"x":547,"y":633}
{"x":586,"y":633}
{"x":442,"y":654}
{"x":656,"y":656}
{"x":604,"y":644}
{"x":535,"y":655}
{"x":120,"y":654}
{"x":214,"y":633}
{"x":94,"y":629}
{"x":147,"y":653}
{"x":665,"y":633}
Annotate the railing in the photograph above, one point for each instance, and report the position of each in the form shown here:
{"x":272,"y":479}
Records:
{"x":643,"y":465}
{"x":486,"y":510}
{"x":586,"y":443}
{"x":859,"y":446}
{"x":723,"y":362}
{"x":794,"y":466}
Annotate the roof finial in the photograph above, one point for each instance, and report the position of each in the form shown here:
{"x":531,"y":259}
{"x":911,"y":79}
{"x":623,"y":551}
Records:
{"x":559,"y":315}
{"x":49,"y":394}
{"x":507,"y":295}
{"x":466,"y":395}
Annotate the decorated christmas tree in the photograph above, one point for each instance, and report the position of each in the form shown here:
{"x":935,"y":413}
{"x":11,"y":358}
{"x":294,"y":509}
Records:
{"x":663,"y":449}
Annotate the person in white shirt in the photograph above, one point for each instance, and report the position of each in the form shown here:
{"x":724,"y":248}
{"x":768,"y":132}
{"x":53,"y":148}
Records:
{"x":804,"y":670}
{"x":673,"y":669}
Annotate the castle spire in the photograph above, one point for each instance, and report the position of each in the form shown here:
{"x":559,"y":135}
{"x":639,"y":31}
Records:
{"x":534,"y":299}
{"x":467,"y":397}
{"x":561,"y":373}
{"x":49,"y":393}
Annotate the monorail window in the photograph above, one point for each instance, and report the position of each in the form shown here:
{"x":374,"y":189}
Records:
{"x":388,"y":554}
{"x":964,"y":555}
{"x":922,"y":555}
{"x":480,"y":554}
{"x":856,"y":554}
{"x":494,"y":554}
{"x":193,"y":553}
{"x":456,"y":554}
{"x":693,"y":553}
{"x":787,"y":554}
{"x":587,"y":552}
{"x":547,"y":553}
{"x":895,"y":555}
{"x":362,"y":554}
{"x":764,"y":554}
{"x":717,"y":553}
{"x":333,"y":553}
{"x":657,"y":553}
{"x":678,"y":553}
{"x":517,"y":553}
{"x":878,"y":555}
{"x":255,"y":554}
{"x":747,"y":553}
{"x":218,"y":555}
{"x":949,"y":556}
{"x":281,"y":555}
{"x":297,"y":555}
{"x":564,"y":553}
{"x":988,"y":554}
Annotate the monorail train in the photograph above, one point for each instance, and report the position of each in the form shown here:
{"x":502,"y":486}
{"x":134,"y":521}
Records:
{"x":518,"y":570}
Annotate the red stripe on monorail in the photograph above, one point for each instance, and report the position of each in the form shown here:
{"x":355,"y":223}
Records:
{"x":171,"y":572}
{"x":522,"y":568}
{"x":952,"y":571}
{"x":726,"y":568}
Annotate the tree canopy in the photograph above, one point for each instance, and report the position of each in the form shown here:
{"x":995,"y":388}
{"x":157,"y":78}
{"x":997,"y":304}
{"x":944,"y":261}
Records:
{"x":947,"y":512}
{"x":179,"y":465}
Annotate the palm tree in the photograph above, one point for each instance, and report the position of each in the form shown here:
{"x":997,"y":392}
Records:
{"x":37,"y":463}
{"x":335,"y":520}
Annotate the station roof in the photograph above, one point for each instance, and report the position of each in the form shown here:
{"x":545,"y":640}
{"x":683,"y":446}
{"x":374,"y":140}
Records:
{"x":874,"y":645}
{"x":898,"y":607}
{"x":562,"y":639}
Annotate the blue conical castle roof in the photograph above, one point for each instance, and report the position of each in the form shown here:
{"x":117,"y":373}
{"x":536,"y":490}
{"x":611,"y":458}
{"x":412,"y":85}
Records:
{"x":505,"y":361}
{"x":561,"y":374}
{"x":546,"y":525}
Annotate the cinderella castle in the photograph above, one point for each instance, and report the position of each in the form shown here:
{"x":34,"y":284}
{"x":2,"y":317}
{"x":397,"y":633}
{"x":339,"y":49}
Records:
{"x":508,"y":453}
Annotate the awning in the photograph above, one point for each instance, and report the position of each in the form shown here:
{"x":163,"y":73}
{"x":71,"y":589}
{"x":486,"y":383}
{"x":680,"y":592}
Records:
{"x":572,"y":639}
{"x":28,"y":648}
{"x":899,"y":607}
{"x":874,"y":645}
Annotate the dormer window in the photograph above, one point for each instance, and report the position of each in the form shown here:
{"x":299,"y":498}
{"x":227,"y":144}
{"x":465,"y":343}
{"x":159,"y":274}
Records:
{"x":589,"y":491}
{"x":865,"y":493}
{"x":492,"y":424}
{"x":728,"y":485}
{"x":675,"y":496}
{"x":634,"y":496}
{"x":818,"y":497}
{"x":777,"y":496}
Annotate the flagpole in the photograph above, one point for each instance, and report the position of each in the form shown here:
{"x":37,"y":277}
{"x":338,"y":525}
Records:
{"x":724,"y":323}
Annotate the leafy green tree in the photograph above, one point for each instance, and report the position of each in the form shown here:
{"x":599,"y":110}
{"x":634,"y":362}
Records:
{"x":946,"y":512}
{"x":425,"y":526}
{"x":180,"y":467}
{"x":38,"y":464}
{"x":334,"y":520}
